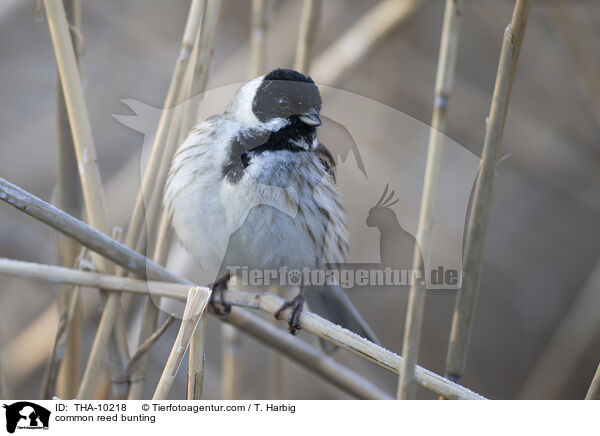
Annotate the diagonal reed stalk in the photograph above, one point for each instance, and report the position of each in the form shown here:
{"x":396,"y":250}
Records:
{"x":593,"y":392}
{"x":309,"y":22}
{"x":482,"y":196}
{"x":201,"y":64}
{"x":145,"y":346}
{"x":250,"y":324}
{"x":93,"y":192}
{"x":407,"y":385}
{"x":352,"y":47}
{"x":195,"y":308}
{"x":67,"y":310}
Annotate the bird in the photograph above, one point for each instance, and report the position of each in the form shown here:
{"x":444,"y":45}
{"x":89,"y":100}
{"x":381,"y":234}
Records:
{"x":254,"y":187}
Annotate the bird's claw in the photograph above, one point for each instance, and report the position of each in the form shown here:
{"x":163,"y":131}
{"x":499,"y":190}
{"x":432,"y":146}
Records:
{"x":220,"y":308}
{"x":297,"y":304}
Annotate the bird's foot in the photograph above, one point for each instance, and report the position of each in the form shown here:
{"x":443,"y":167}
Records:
{"x":220,"y":308}
{"x":297,"y":304}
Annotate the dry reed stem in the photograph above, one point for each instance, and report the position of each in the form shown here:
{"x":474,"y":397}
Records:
{"x":350,"y":341}
{"x":62,"y":374}
{"x":276,"y":365}
{"x":416,"y":303}
{"x":482,"y":197}
{"x":196,"y":362}
{"x":197,"y":79}
{"x":297,"y":350}
{"x":557,"y":362}
{"x":149,"y":178}
{"x":140,"y":367}
{"x":195,"y":307}
{"x":307,"y":356}
{"x":185,"y":114}
{"x":304,"y":354}
{"x":82,"y":136}
{"x":83,"y":233}
{"x":232,"y":365}
{"x":352,"y":47}
{"x":201,"y":64}
{"x":593,"y":392}
{"x":140,"y":265}
{"x":309,"y":22}
{"x":150,"y":316}
{"x":258,"y":37}
{"x":145,"y":346}
{"x":93,"y":192}
{"x":146,"y":202}
{"x":66,"y":315}
{"x":153,"y":213}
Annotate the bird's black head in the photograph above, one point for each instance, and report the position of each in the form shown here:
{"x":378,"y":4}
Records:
{"x":288,"y":94}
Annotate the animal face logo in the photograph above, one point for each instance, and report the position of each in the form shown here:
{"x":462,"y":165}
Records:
{"x":26,"y":415}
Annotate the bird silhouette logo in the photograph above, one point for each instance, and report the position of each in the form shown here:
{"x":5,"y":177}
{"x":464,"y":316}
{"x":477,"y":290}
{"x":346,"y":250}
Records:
{"x":396,"y":245}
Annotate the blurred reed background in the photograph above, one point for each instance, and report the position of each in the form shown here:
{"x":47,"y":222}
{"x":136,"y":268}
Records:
{"x":535,"y":331}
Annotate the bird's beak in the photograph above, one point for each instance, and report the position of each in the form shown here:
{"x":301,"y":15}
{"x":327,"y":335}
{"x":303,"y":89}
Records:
{"x":311,"y":118}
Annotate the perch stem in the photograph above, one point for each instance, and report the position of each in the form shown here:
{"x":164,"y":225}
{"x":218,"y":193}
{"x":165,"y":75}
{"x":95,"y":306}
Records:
{"x":252,"y":325}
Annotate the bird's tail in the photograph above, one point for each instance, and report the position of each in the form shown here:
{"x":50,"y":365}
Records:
{"x":332,"y":303}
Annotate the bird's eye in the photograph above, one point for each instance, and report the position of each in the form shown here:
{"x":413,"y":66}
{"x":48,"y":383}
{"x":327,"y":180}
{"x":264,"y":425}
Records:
{"x":283,"y":102}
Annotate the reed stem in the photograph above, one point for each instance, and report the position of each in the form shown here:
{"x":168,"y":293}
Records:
{"x":91,"y":183}
{"x":64,"y":364}
{"x":358,"y":41}
{"x":482,"y":196}
{"x":416,"y":302}
{"x":309,"y":22}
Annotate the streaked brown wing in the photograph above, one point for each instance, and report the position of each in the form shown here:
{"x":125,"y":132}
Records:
{"x":326,"y":159}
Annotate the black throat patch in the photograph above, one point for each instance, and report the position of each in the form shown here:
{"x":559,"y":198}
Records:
{"x":250,"y":143}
